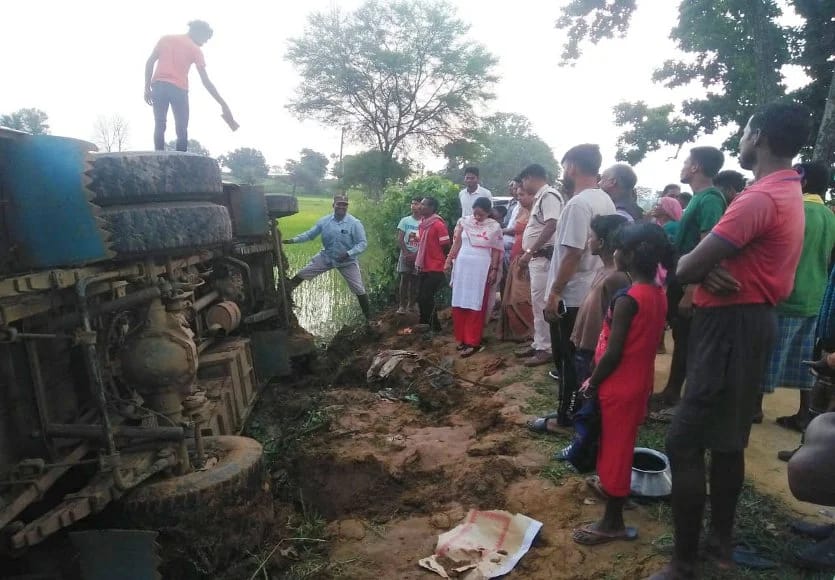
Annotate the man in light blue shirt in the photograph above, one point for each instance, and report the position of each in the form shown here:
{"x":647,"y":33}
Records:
{"x":343,"y":239}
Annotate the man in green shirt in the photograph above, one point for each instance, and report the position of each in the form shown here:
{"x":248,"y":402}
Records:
{"x":797,"y":315}
{"x":702,"y":213}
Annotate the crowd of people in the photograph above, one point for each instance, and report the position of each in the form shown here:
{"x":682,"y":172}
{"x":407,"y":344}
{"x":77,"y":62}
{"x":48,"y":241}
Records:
{"x":588,"y":282}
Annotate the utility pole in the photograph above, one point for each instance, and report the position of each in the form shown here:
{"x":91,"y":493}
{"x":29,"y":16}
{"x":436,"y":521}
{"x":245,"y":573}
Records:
{"x":341,"y":167}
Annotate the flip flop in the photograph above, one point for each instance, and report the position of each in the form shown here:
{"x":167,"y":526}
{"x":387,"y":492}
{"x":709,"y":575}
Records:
{"x":747,"y":557}
{"x":790,"y":422}
{"x":540,"y":424}
{"x":820,"y":556}
{"x":586,"y":536}
{"x":813,"y":531}
{"x":744,"y":556}
{"x":469,"y":351}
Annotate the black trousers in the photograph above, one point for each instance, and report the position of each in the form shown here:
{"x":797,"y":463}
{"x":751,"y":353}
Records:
{"x":564,"y":352}
{"x":162,"y":95}
{"x":430,"y":283}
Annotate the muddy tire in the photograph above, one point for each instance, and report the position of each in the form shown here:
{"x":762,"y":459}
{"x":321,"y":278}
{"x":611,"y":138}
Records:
{"x":142,"y":177}
{"x":239,"y":473}
{"x":152,"y":228}
{"x":207,"y":520}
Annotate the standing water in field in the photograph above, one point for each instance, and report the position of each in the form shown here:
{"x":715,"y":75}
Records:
{"x":324,"y":304}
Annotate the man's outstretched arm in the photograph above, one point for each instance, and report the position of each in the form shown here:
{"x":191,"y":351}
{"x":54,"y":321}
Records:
{"x":149,"y":72}
{"x":204,"y":77}
{"x":310,"y":234}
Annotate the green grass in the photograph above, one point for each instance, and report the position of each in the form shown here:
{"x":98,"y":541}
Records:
{"x":310,"y":210}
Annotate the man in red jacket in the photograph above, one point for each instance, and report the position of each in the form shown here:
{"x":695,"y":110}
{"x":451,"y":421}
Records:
{"x":433,"y":240}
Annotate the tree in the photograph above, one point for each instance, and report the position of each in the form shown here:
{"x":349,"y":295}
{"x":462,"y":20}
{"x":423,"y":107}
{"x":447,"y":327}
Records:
{"x":501,"y":147}
{"x":111,"y":133}
{"x":194,"y":146}
{"x":308,"y":171}
{"x":32,"y":121}
{"x":392,"y":73}
{"x":367,"y":170}
{"x":736,"y":50}
{"x":246,"y":164}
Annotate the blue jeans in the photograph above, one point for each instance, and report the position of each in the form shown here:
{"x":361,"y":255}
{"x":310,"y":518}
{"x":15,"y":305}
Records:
{"x":162,"y":95}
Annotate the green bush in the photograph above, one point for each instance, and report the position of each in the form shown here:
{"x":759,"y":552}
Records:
{"x":380,"y":219}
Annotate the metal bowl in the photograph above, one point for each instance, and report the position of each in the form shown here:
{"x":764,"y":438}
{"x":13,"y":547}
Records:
{"x":650,"y":473}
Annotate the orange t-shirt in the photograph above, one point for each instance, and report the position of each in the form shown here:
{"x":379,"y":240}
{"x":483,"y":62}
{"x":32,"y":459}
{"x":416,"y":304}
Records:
{"x":175,"y":55}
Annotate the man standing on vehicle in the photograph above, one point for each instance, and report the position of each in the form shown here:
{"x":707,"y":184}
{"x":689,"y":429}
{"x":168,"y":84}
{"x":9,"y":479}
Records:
{"x":168,"y":83}
{"x":343,"y":240}
{"x":472,"y":191}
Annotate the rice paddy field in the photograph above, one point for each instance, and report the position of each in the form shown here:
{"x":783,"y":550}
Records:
{"x":323,"y":305}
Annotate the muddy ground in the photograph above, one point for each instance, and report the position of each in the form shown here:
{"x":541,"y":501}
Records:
{"x":365,"y":476}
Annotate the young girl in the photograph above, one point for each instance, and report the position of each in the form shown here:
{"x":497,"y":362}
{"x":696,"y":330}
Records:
{"x":607,"y":282}
{"x":625,"y":367}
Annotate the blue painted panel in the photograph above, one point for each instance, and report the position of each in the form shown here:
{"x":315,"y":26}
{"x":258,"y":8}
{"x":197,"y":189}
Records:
{"x":249,"y":211}
{"x":51,"y":222}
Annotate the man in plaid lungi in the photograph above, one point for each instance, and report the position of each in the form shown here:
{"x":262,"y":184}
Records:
{"x":797,"y":316}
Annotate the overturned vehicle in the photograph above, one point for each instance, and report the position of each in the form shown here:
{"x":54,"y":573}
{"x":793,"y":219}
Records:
{"x":142,"y":307}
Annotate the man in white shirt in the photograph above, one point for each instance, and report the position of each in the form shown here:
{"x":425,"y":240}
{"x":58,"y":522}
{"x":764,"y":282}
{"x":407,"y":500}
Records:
{"x":537,"y":248}
{"x":472,"y":191}
{"x":573,"y":267}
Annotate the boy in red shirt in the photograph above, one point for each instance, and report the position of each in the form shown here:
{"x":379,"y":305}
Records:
{"x":744,"y":267}
{"x":433,"y":240}
{"x":168,"y":84}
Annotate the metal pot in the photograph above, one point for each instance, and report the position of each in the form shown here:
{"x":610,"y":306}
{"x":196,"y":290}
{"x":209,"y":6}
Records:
{"x":651,"y":475}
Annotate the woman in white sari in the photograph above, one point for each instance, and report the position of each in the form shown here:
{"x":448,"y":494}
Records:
{"x":474,"y":260}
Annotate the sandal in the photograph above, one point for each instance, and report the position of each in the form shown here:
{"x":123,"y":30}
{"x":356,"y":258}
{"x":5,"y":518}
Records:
{"x":461,"y":346}
{"x":588,"y":536}
{"x":469,"y":351}
{"x":540,"y":424}
{"x":792,"y":423}
{"x":743,"y":556}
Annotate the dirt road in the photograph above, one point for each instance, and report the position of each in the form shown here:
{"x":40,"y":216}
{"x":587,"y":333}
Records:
{"x":399,"y":462}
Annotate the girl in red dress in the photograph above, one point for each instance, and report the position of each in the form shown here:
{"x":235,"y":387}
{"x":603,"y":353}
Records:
{"x":623,"y":376}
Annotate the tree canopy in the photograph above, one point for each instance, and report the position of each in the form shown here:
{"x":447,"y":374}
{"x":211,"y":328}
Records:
{"x":30,"y":120}
{"x":393,"y":73}
{"x":246,"y":164}
{"x":501,"y":147}
{"x":308,"y":171}
{"x":736,"y":50}
{"x":369,"y":169}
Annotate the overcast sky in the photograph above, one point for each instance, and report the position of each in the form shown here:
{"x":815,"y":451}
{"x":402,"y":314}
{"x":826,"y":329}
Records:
{"x":79,"y":60}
